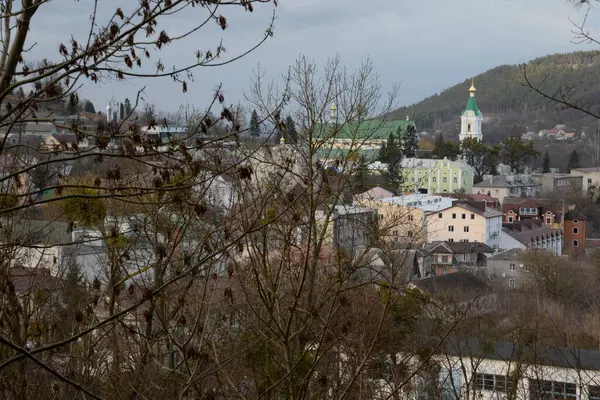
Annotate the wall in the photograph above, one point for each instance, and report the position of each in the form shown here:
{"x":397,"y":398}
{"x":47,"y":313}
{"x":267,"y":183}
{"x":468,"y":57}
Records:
{"x":591,"y":179}
{"x":397,"y":222}
{"x":570,"y":236}
{"x":456,"y":176}
{"x":499,"y":193}
{"x":437,"y":228}
{"x":496,"y":268}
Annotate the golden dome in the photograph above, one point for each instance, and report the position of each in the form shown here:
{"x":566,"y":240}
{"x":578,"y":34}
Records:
{"x":472,"y":88}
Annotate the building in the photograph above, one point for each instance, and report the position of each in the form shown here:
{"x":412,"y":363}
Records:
{"x":451,"y":257}
{"x":402,"y":219}
{"x":517,"y":209}
{"x":590,"y":184}
{"x":339,"y":141}
{"x":489,"y":201}
{"x":575,"y":234}
{"x":436,"y":176}
{"x":353,"y":226}
{"x":489,"y":370}
{"x":561,"y":185}
{"x":531,"y":234}
{"x":501,"y":186}
{"x":506,"y":269}
{"x":470,"y":119}
{"x":465,"y":221}
{"x":164,"y":133}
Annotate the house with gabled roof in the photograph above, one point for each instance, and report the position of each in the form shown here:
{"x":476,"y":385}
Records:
{"x":517,"y":209}
{"x":531,"y":234}
{"x":451,"y":257}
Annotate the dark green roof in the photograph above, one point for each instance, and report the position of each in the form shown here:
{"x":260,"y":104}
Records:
{"x":472,"y":106}
{"x":342,"y":154}
{"x":370,"y":129}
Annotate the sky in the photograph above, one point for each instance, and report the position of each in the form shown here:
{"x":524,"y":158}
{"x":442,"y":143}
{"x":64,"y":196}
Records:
{"x":424,"y":46}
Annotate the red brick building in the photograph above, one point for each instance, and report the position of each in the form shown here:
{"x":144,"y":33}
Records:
{"x":575,"y":234}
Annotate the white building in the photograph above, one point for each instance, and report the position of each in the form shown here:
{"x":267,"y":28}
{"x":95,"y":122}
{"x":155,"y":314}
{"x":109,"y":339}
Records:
{"x":470,"y":119}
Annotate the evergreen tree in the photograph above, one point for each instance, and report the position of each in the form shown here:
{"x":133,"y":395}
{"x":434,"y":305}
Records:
{"x":517,"y":153}
{"x":546,"y":162}
{"x":254,"y":124}
{"x":362,"y":171}
{"x":127,"y":107}
{"x":443,"y":148}
{"x":410,"y":141}
{"x":89,"y":107}
{"x":574,"y":161}
{"x":289,"y":134}
{"x":390,"y":153}
{"x":121,"y":111}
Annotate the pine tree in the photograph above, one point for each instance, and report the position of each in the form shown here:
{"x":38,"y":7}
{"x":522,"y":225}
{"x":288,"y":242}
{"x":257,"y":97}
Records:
{"x":121,"y":111}
{"x":546,"y":163}
{"x":289,"y":134}
{"x":362,"y":171}
{"x":410,"y":141}
{"x":390,"y":153}
{"x":89,"y":107}
{"x":127,"y":107}
{"x":254,"y":124}
{"x":574,"y":161}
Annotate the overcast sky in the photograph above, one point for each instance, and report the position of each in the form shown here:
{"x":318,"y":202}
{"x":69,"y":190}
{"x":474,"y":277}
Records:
{"x":423,"y":45}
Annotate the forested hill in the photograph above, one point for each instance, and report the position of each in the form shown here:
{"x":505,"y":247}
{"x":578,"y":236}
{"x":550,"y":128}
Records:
{"x":503,"y":96}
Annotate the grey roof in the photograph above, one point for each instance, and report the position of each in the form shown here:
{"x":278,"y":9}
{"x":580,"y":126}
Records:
{"x":526,"y":230}
{"x":34,"y":232}
{"x":455,"y":282}
{"x":564,"y":357}
{"x":591,"y":169}
{"x":508,"y":255}
{"x":499,"y":181}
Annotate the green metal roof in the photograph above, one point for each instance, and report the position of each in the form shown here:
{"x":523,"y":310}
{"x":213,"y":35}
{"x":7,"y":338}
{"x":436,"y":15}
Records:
{"x":472,"y":106}
{"x":370,"y":129}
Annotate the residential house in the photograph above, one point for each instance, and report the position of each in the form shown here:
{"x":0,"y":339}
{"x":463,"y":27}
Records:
{"x":395,"y":267}
{"x":531,"y":234}
{"x":348,"y":227}
{"x":14,"y":178}
{"x":559,"y":185}
{"x":222,"y":192}
{"x":451,"y":257}
{"x":506,"y":269}
{"x":161,"y":133}
{"x":501,"y":186}
{"x":465,"y":221}
{"x":590,"y":181}
{"x":490,"y":202}
{"x":35,"y":244}
{"x":517,"y":209}
{"x":375,"y":193}
{"x":402,"y":219}
{"x":575,"y":232}
{"x":64,"y":141}
{"x":504,"y":370}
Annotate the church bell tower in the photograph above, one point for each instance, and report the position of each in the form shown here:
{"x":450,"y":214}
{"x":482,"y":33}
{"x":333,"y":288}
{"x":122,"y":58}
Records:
{"x":470,"y":119}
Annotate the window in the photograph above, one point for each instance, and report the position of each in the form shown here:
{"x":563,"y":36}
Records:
{"x":464,"y":240}
{"x":466,"y":229}
{"x":589,"y":181}
{"x":548,"y":220}
{"x":513,"y":267}
{"x":472,"y":216}
{"x":439,"y":215}
{"x":445,"y":259}
{"x":433,"y":179}
{"x":409,"y":234}
{"x":510,"y":219}
{"x":575,"y":230}
{"x":527,"y":268}
{"x":464,"y":216}
{"x":575,"y":221}
{"x":453,"y":216}
{"x":495,"y":383}
{"x":511,"y":283}
{"x":451,"y":228}
{"x":450,"y":240}
{"x":444,"y":180}
{"x":594,"y":392}
{"x":410,"y":218}
{"x":455,"y":180}
{"x":540,"y":389}
{"x":469,"y":127}
{"x":575,"y":243}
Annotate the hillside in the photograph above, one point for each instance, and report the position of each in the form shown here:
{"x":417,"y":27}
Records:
{"x":510,"y":105}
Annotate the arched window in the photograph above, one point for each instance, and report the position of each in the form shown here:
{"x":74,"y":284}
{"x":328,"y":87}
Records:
{"x":469,"y":127}
{"x":575,"y":243}
{"x":575,"y":230}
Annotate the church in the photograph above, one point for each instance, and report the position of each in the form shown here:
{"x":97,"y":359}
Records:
{"x":470,"y":119}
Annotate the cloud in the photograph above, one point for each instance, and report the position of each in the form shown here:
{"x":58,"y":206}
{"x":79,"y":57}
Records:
{"x":424,"y":45}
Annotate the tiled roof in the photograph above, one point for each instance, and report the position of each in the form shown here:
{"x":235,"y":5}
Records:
{"x":573,"y":215}
{"x":457,"y":281}
{"x":508,"y":255}
{"x":525,"y":231}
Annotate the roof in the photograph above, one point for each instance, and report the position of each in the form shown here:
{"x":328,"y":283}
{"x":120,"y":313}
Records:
{"x":472,"y":106}
{"x":508,"y":255}
{"x":584,"y":170}
{"x":33,"y":232}
{"x":425,"y":202}
{"x":369,"y":129}
{"x":573,"y":215}
{"x":564,"y":357}
{"x":476,"y":208}
{"x":500,"y":181}
{"x":527,"y":230}
{"x":457,"y":281}
{"x":374,"y":193}
{"x":27,"y":279}
{"x":429,"y":163}
{"x":482,"y":197}
{"x":458,"y":247}
{"x":515,"y":203}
